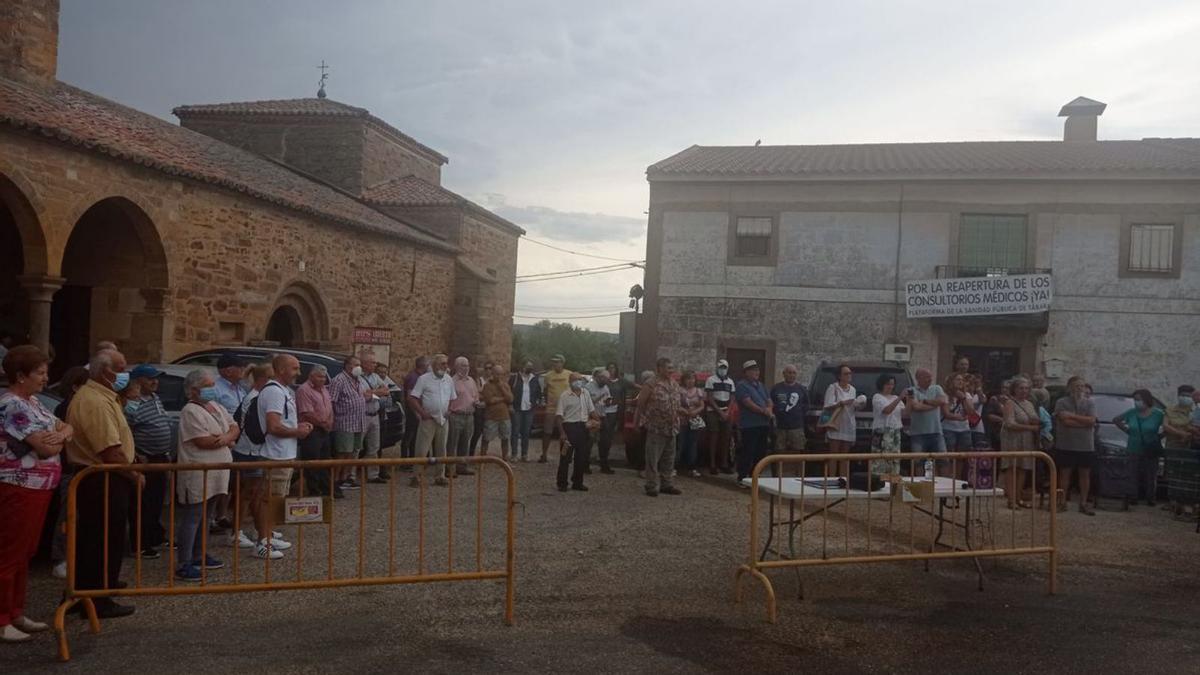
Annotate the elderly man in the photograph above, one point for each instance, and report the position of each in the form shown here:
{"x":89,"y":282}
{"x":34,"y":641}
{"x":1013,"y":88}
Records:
{"x":790,"y":401}
{"x":349,"y":394}
{"x":481,"y":380}
{"x":102,"y":436}
{"x":315,"y":406}
{"x":497,"y":399}
{"x":718,"y":389}
{"x":1075,"y":441}
{"x":557,"y":381}
{"x":756,"y":412}
{"x":231,"y":387}
{"x":280,"y":420}
{"x":462,"y":414}
{"x":527,"y":391}
{"x":572,"y":413}
{"x":659,"y":410}
{"x":924,"y":403}
{"x":430,"y":398}
{"x":601,"y":399}
{"x":411,"y":419}
{"x":376,"y":392}
{"x":152,"y":444}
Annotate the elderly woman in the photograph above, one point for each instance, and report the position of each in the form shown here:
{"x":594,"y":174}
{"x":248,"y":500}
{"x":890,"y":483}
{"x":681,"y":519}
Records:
{"x":1143,"y":425}
{"x":1018,"y":433}
{"x":31,"y":443}
{"x":206,"y":434}
{"x":841,"y":426}
{"x":313,"y":405}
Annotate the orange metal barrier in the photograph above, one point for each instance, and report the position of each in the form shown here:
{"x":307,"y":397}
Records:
{"x":895,"y":532}
{"x":285,"y":577}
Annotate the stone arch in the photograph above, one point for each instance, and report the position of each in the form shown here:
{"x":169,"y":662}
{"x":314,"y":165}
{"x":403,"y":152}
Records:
{"x":25,"y":287}
{"x":116,"y":283}
{"x":18,"y":217}
{"x":298,"y":317}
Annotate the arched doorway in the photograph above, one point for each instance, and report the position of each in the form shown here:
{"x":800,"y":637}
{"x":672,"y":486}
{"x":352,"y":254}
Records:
{"x":22,"y":266}
{"x":299,"y":318}
{"x":285,"y":327}
{"x":116,"y":283}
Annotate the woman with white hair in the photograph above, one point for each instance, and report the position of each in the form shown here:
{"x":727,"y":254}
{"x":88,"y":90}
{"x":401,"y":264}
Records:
{"x":1019,"y":433}
{"x":206,"y":435}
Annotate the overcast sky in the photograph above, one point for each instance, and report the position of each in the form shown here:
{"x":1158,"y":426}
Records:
{"x":551,"y":111}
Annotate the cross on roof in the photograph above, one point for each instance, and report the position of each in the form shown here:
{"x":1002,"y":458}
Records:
{"x":324,"y":76}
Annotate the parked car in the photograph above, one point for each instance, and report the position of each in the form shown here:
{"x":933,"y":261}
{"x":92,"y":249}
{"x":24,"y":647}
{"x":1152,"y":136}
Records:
{"x":863,"y":380}
{"x":391,"y":429}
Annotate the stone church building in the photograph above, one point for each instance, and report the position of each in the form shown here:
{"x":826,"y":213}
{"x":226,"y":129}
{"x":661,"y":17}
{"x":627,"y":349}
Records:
{"x":293,"y":221}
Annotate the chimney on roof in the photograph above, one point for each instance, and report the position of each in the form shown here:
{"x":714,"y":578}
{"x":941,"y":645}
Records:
{"x":29,"y":41}
{"x":1082,"y":115}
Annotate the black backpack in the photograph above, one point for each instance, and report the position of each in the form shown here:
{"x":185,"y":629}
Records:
{"x":249,"y":421}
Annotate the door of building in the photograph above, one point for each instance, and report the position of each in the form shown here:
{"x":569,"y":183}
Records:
{"x":737,"y":357}
{"x":993,"y":364}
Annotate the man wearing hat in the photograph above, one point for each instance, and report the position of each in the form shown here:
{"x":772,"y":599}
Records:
{"x":230,"y":386}
{"x":754,"y":419}
{"x":719,"y":392}
{"x":557,"y":380}
{"x":152,"y":445}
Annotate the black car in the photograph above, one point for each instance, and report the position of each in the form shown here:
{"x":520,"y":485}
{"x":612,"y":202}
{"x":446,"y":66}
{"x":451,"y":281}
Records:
{"x":865,"y":373}
{"x":391,"y":429}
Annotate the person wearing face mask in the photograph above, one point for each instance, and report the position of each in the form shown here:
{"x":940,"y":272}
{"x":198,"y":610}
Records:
{"x":1143,"y":424}
{"x":431,"y":397}
{"x":718,"y":389}
{"x":1075,"y":442}
{"x":349,"y":394}
{"x":102,"y":436}
{"x":1182,"y":460}
{"x":572,"y":412}
{"x":152,"y":444}
{"x":526,"y":391}
{"x":207,"y":432}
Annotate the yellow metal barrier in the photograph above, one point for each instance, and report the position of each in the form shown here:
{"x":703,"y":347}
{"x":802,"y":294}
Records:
{"x":951,"y":501}
{"x":422,"y":573}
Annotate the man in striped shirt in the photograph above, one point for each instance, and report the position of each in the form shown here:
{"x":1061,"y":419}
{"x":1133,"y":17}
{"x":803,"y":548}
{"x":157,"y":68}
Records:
{"x":349,"y":393}
{"x":152,"y":445}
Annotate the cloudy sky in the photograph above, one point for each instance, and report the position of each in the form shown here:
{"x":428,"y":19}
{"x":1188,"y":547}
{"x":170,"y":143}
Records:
{"x":551,"y":111}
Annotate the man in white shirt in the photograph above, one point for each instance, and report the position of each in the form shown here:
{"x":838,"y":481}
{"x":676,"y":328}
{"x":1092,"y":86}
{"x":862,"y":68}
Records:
{"x":719,"y":389}
{"x":279,"y":419}
{"x":574,"y":409}
{"x":430,"y":398}
{"x":378,"y":393}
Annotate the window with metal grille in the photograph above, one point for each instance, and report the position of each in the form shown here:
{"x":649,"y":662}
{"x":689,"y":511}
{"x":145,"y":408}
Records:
{"x":753,"y":237}
{"x":992,"y":244}
{"x":1151,"y":247}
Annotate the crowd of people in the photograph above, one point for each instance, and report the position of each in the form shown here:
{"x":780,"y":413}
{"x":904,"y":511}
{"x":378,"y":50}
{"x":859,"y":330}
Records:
{"x":259,"y":412}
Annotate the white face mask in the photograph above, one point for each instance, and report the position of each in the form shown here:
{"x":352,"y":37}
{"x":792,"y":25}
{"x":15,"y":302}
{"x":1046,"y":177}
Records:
{"x":357,"y":372}
{"x":1187,"y":402}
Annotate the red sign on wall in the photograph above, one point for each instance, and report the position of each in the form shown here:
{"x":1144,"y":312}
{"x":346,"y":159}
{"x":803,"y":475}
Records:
{"x":364,"y":335}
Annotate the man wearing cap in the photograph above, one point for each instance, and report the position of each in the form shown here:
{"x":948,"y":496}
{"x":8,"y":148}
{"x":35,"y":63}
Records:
{"x":557,"y":381}
{"x":755,"y":414}
{"x":152,"y":445}
{"x":231,"y":388}
{"x":718,"y":393}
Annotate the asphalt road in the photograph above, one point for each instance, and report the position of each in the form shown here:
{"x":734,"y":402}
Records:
{"x":613,"y":581}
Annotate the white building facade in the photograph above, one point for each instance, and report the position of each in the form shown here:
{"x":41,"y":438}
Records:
{"x":801,"y":254}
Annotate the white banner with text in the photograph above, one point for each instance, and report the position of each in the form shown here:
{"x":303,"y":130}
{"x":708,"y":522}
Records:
{"x":978,"y":296}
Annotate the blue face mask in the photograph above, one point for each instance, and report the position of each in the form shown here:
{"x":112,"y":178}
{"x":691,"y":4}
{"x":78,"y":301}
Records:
{"x":131,"y":407}
{"x":208,"y":394}
{"x":121,"y":381}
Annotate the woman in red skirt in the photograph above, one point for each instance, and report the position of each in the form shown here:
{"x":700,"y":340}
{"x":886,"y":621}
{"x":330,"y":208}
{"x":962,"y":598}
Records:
{"x":31,"y":443}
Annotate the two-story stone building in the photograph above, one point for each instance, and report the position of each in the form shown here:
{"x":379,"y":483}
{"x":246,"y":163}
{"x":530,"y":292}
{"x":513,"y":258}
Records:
{"x":802,"y":253}
{"x":292,"y":222}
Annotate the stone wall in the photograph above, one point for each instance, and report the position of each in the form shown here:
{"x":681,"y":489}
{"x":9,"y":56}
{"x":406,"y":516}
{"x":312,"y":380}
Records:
{"x":330,"y":148}
{"x":228,"y":257}
{"x":29,"y":40}
{"x":492,"y":249}
{"x":385,"y":158}
{"x":833,"y":293}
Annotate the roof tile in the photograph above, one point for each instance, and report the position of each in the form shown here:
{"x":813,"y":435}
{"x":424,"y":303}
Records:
{"x":84,"y":119}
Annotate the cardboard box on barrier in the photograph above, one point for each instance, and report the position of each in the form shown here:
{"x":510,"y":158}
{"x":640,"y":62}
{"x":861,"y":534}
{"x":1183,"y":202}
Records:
{"x":301,"y":510}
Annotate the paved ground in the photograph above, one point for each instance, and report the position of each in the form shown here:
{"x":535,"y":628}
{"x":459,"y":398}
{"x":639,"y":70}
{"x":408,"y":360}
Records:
{"x":613,"y":581}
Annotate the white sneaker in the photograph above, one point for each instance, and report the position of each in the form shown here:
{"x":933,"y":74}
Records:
{"x":60,"y":570}
{"x":11,"y":633}
{"x":280,"y":544}
{"x":264,"y":550}
{"x":28,"y":625}
{"x":241,"y":540}
{"x":275,"y":534}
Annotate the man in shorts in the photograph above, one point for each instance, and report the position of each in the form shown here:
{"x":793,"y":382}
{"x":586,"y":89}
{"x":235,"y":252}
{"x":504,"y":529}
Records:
{"x":790,"y":399}
{"x":924,"y":402}
{"x":497,"y":398}
{"x":280,"y":420}
{"x":349,"y":393}
{"x":1075,"y":442}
